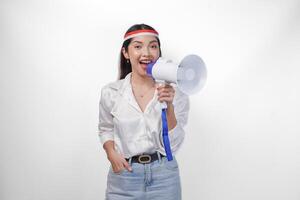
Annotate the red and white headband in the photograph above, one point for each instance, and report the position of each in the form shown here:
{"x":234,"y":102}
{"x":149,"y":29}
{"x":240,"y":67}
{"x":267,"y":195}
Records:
{"x":136,"y":33}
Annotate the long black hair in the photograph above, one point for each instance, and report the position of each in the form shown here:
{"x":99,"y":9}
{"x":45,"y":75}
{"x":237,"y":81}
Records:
{"x":125,"y":66}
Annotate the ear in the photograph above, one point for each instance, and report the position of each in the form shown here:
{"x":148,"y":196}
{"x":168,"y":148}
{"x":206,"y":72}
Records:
{"x":125,"y":53}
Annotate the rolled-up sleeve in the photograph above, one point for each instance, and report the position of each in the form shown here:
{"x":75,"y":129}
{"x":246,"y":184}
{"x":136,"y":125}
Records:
{"x":181,"y":109}
{"x":105,"y":125}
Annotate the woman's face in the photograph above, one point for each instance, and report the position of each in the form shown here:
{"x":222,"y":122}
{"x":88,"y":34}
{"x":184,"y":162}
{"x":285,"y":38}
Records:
{"x":141,"y":51}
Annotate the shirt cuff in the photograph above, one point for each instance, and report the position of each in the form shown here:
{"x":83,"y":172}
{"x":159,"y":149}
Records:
{"x":104,"y":137}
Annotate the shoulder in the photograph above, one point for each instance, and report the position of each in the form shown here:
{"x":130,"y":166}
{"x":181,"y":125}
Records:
{"x":110,"y":90}
{"x":117,"y":86}
{"x":113,"y":86}
{"x":109,"y":93}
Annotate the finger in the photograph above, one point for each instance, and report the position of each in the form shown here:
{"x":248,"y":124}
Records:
{"x":127,"y":166}
{"x":162,"y":92}
{"x":166,"y":99}
{"x":164,"y":86}
{"x":159,"y":89}
{"x":117,"y":166}
{"x":160,"y":85}
{"x":116,"y":170}
{"x":119,"y":169}
{"x":168,"y":86}
{"x":165,"y":95}
{"x":166,"y":89}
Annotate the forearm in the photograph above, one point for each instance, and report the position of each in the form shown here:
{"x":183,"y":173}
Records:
{"x":172,"y":122}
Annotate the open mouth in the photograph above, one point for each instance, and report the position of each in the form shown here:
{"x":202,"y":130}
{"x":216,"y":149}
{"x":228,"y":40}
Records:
{"x":145,"y":62}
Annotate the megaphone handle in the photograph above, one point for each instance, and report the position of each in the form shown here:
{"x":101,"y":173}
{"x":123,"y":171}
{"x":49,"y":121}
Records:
{"x":163,"y":104}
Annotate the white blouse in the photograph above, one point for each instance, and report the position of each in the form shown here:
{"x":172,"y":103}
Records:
{"x":135,"y":132}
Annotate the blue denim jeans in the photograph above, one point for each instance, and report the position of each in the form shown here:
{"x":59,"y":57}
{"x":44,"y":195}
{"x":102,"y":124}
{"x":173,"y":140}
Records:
{"x":158,"y":180}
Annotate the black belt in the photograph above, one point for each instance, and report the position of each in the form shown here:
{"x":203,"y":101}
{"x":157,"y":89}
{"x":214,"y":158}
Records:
{"x":145,"y":158}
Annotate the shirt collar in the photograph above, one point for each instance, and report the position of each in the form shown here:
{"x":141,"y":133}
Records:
{"x":126,"y":86}
{"x":126,"y":92}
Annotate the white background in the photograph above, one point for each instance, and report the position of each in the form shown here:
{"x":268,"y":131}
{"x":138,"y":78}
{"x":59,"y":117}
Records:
{"x":243,"y":136}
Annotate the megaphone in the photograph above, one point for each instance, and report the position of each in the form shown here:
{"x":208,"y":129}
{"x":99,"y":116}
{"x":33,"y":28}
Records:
{"x":190,"y":75}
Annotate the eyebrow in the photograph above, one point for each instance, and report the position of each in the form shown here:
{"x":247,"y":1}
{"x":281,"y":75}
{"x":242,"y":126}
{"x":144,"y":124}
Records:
{"x":142,"y":42}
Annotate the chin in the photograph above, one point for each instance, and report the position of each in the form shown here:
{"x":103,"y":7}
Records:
{"x":143,"y":73}
{"x":143,"y":69}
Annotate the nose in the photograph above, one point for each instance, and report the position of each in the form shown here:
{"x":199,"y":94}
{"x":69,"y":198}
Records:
{"x":146,"y":51}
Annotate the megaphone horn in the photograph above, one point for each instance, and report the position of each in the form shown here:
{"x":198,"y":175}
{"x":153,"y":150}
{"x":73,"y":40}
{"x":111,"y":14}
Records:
{"x":190,"y":75}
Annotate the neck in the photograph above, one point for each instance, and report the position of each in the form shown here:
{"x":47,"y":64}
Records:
{"x":142,"y":81}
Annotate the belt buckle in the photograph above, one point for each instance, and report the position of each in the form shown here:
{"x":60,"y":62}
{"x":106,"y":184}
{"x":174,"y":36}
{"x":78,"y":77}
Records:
{"x":144,"y":159}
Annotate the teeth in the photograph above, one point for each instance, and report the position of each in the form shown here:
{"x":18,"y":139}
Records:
{"x":145,"y":61}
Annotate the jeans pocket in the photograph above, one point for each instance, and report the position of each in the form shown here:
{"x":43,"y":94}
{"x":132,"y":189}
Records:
{"x":122,"y":172}
{"x":171,"y":165}
{"x":116,"y":173}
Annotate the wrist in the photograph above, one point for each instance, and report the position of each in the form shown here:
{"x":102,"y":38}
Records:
{"x":109,"y":147}
{"x":170,"y":107}
{"x":110,"y":151}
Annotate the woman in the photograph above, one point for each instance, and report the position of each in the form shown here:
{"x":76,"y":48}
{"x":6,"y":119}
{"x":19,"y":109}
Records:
{"x":130,"y":124}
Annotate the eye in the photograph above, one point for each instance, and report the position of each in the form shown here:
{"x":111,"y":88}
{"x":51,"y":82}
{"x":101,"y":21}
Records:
{"x":155,"y":46}
{"x":137,"y":46}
